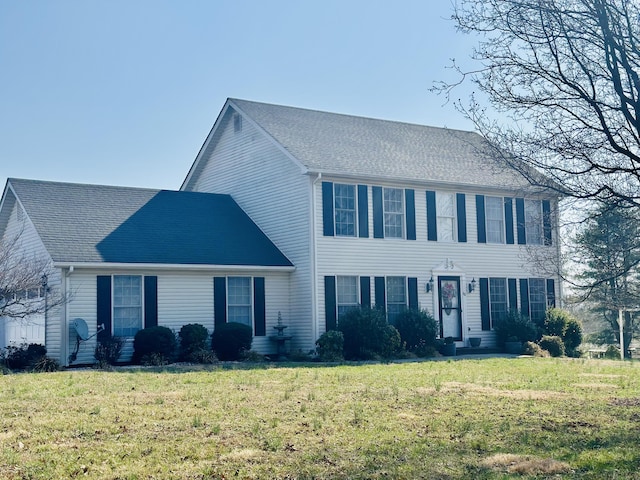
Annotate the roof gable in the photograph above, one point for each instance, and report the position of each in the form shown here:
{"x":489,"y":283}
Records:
{"x":95,"y":224}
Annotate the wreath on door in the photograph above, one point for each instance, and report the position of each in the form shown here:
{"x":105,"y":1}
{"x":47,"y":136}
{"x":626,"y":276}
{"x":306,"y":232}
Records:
{"x":448,"y":296}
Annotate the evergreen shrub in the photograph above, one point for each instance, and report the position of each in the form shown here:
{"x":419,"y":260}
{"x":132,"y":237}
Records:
{"x":156,"y":342}
{"x":230,"y":340}
{"x":367,"y":335}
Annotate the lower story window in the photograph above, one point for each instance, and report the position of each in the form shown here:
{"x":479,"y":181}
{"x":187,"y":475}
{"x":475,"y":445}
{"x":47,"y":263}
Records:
{"x":127,"y":305}
{"x":497,"y":299}
{"x":239,"y":300}
{"x":537,"y":299}
{"x":396,"y":297}
{"x":347,"y":293}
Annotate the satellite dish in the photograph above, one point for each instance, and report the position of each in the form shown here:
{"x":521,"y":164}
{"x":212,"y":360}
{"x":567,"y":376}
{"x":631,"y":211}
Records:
{"x":81,"y":328}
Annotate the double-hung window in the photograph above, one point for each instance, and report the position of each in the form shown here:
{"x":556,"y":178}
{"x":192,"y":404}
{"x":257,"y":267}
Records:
{"x":396,"y":297}
{"x":497,"y":299}
{"x":533,"y":218}
{"x":239,"y":307}
{"x":393,"y":208}
{"x":347,"y":293}
{"x":446,"y":214}
{"x":494,"y":212}
{"x":345,"y":209}
{"x":127,"y":305}
{"x":537,"y":298}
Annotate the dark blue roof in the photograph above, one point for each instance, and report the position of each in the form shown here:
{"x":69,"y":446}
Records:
{"x":96,"y":223}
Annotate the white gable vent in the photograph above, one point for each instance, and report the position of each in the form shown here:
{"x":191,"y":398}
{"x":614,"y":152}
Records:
{"x":237,"y":123}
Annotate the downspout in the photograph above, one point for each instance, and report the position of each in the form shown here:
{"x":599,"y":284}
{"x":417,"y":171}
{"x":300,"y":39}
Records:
{"x":560,"y":297}
{"x":314,"y":264}
{"x":64,"y":350}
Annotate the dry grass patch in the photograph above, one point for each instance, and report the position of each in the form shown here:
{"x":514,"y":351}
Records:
{"x":525,"y":465}
{"x":514,"y":394}
{"x":600,"y":386}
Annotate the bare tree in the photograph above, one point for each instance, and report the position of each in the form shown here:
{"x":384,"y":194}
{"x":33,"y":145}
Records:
{"x":563,"y":78}
{"x":24,"y":282}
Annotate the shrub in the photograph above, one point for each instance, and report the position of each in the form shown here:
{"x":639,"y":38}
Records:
{"x":108,"y":351}
{"x":193,"y":338}
{"x":204,"y":356}
{"x":330,"y":346}
{"x":45,"y":364}
{"x":230,"y":340}
{"x":531,"y":348}
{"x":562,"y":324}
{"x":367,"y":335}
{"x":552,"y":344}
{"x":515,"y":325}
{"x":612,"y":353}
{"x":23,"y":356}
{"x":417,"y":329}
{"x":252,"y":356}
{"x":154,"y":341}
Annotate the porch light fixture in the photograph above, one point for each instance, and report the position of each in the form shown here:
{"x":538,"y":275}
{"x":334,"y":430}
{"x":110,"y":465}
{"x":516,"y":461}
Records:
{"x":472,"y":285}
{"x":429,"y":285}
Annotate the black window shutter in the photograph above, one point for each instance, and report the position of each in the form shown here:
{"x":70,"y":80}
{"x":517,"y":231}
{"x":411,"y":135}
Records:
{"x":508,"y":220}
{"x":551,"y":293}
{"x":103,"y":305}
{"x":150,"y":301}
{"x":379,"y":293}
{"x":220,"y":300}
{"x":327,"y":209}
{"x":365,"y":292}
{"x":378,"y":212}
{"x":513,"y":294}
{"x":330,"y":306}
{"x":413,"y":293}
{"x":363,"y":211}
{"x":546,"y":221}
{"x":410,"y":213}
{"x":432,"y":221}
{"x":259,"y":309}
{"x":480,"y":219}
{"x":524,"y":296}
{"x":485,"y":311}
{"x":522,"y":233}
{"x":462,"y":216}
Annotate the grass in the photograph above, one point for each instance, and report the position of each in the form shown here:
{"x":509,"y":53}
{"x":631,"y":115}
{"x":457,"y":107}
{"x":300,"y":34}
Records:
{"x":485,"y":419}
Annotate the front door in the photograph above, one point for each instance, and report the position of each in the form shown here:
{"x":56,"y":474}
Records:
{"x":450,"y":307}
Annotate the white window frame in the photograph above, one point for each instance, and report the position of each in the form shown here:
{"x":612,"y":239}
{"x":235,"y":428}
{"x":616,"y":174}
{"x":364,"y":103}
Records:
{"x":346,"y":211}
{"x":495,"y":227}
{"x":494,"y":301}
{"x":347,"y":299}
{"x":538,"y":291}
{"x":119,"y":330}
{"x":391,"y":230}
{"x":533,"y":221}
{"x":446,"y":221}
{"x":231,"y":317}
{"x":398,"y":306}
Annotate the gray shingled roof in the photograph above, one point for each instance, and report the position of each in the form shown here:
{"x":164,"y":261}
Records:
{"x":96,"y":223}
{"x":343,"y":144}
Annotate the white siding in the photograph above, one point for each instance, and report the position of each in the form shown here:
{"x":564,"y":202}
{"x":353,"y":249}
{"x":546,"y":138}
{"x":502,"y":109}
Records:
{"x":272,"y":190}
{"x":418,"y":258}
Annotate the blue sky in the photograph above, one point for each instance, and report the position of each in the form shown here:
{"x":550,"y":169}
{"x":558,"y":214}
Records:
{"x":124,"y":92}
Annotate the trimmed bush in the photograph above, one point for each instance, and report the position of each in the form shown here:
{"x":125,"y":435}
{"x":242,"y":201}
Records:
{"x":193,"y":338}
{"x":367,"y":335}
{"x":531,"y":348}
{"x":157,"y":342}
{"x":417,"y":330}
{"x":23,"y":356}
{"x":561,"y":323}
{"x":330,"y":346}
{"x":552,"y":344}
{"x":515,"y":325}
{"x":230,"y":340}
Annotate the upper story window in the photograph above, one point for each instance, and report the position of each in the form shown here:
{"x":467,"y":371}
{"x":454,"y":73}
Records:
{"x":446,"y":212}
{"x":127,"y":305}
{"x":345,"y":209}
{"x":396,"y":297}
{"x":347,"y":293}
{"x":239,"y":308}
{"x":533,"y":220}
{"x":393,"y":208}
{"x":494,"y":212}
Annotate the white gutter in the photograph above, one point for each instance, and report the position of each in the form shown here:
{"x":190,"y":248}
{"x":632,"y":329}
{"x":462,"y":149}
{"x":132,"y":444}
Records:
{"x":172,"y":266}
{"x":314,"y":264}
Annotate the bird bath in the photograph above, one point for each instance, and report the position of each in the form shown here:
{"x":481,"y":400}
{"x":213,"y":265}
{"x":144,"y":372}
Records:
{"x":280,"y":338}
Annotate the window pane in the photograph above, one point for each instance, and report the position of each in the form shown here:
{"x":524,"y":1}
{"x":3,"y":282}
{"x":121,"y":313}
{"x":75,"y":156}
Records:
{"x":345,"y":209}
{"x":127,"y":305}
{"x":537,"y":299}
{"x":445,"y":207}
{"x":393,"y":213}
{"x":495,"y":219}
{"x":498,"y":298}
{"x":347,"y":287}
{"x":396,"y":297}
{"x":533,"y":221}
{"x":239,"y":300}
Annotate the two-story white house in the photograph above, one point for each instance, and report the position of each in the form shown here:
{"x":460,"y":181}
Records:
{"x":300,"y":213}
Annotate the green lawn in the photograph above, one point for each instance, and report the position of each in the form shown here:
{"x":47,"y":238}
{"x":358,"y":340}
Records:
{"x":489,"y":418}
